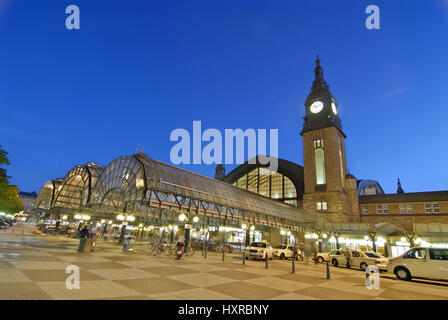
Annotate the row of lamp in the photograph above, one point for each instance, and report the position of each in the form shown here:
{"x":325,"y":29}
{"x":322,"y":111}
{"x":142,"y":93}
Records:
{"x":8,"y":216}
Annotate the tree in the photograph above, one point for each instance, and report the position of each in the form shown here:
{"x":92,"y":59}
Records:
{"x":9,"y":194}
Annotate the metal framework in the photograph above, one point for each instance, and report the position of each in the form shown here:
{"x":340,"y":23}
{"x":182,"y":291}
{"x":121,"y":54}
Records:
{"x":77,"y":186}
{"x":153,"y":190}
{"x":47,"y":194}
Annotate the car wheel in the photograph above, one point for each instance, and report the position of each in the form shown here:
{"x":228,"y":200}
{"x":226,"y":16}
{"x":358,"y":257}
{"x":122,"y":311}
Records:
{"x":335,"y":262}
{"x":320,"y":260}
{"x":282,"y":256}
{"x":403,"y":274}
{"x":363,"y":266}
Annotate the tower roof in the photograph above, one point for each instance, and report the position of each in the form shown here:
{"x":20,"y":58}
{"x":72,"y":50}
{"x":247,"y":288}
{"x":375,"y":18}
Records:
{"x":327,"y":115}
{"x":319,"y":81}
{"x":320,"y":87}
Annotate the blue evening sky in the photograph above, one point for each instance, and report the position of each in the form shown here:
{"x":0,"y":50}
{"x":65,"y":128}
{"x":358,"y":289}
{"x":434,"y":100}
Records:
{"x":139,"y":69}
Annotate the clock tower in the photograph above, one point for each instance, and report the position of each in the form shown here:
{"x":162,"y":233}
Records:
{"x":329,"y":190}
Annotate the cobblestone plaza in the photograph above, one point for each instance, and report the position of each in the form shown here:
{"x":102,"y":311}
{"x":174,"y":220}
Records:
{"x":33,"y":266}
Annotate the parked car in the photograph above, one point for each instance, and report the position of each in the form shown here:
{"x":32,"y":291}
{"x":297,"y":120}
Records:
{"x":285,"y":252}
{"x":419,"y":262}
{"x":259,"y":250}
{"x":328,"y":256}
{"x":3,"y":225}
{"x":362,"y":259}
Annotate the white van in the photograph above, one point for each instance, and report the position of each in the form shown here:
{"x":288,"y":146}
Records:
{"x":419,"y":262}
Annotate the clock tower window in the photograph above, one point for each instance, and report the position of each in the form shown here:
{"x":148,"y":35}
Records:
{"x":318,"y":143}
{"x":319,"y":157}
{"x":321,"y":206}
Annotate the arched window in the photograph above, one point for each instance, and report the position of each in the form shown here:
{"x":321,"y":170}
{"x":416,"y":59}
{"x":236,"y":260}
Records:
{"x":270,"y":184}
{"x":319,"y":156}
{"x":341,"y":167}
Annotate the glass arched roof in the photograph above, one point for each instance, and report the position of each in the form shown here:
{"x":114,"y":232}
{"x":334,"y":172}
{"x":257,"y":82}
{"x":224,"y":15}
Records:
{"x":369,"y":187}
{"x":139,"y":184}
{"x":47,"y":194}
{"x":77,"y":186}
{"x":137,"y":179}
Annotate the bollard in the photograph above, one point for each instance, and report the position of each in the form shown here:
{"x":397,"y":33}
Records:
{"x":293,"y":262}
{"x":244,"y":256}
{"x":223,"y":251}
{"x":82,"y":244}
{"x":267,"y":261}
{"x":328,"y":270}
{"x":205,"y":251}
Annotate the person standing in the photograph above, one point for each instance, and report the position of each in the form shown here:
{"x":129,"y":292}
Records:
{"x":307,"y":253}
{"x":315,"y":252}
{"x":84,"y":233}
{"x":301,"y":250}
{"x":348,"y":256}
{"x":56,"y":229}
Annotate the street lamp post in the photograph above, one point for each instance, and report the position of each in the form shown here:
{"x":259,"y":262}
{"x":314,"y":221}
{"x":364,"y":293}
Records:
{"x":244,"y":227}
{"x":183,"y":217}
{"x":105,"y":227}
{"x":373,"y":239}
{"x":224,"y":230}
{"x":336,"y":236}
{"x":125,"y":219}
{"x":206,"y":243}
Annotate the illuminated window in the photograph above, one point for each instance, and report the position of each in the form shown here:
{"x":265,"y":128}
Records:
{"x":291,"y":202}
{"x":270,"y":184}
{"x":252,"y":181}
{"x":242,"y":182}
{"x":318,"y":143}
{"x":321,"y":206}
{"x":264,"y":184}
{"x":410,"y":208}
{"x":385,"y":209}
{"x":319,"y":155}
{"x":290,"y":190}
{"x":341,"y":166}
{"x":276,"y":185}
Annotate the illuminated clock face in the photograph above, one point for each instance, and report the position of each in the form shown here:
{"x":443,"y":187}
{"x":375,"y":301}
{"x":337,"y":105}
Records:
{"x":333,"y":107}
{"x":317,"y":107}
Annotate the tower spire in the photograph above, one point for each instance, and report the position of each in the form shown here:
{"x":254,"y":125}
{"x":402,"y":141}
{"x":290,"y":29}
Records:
{"x":319,"y":81}
{"x":399,"y":188}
